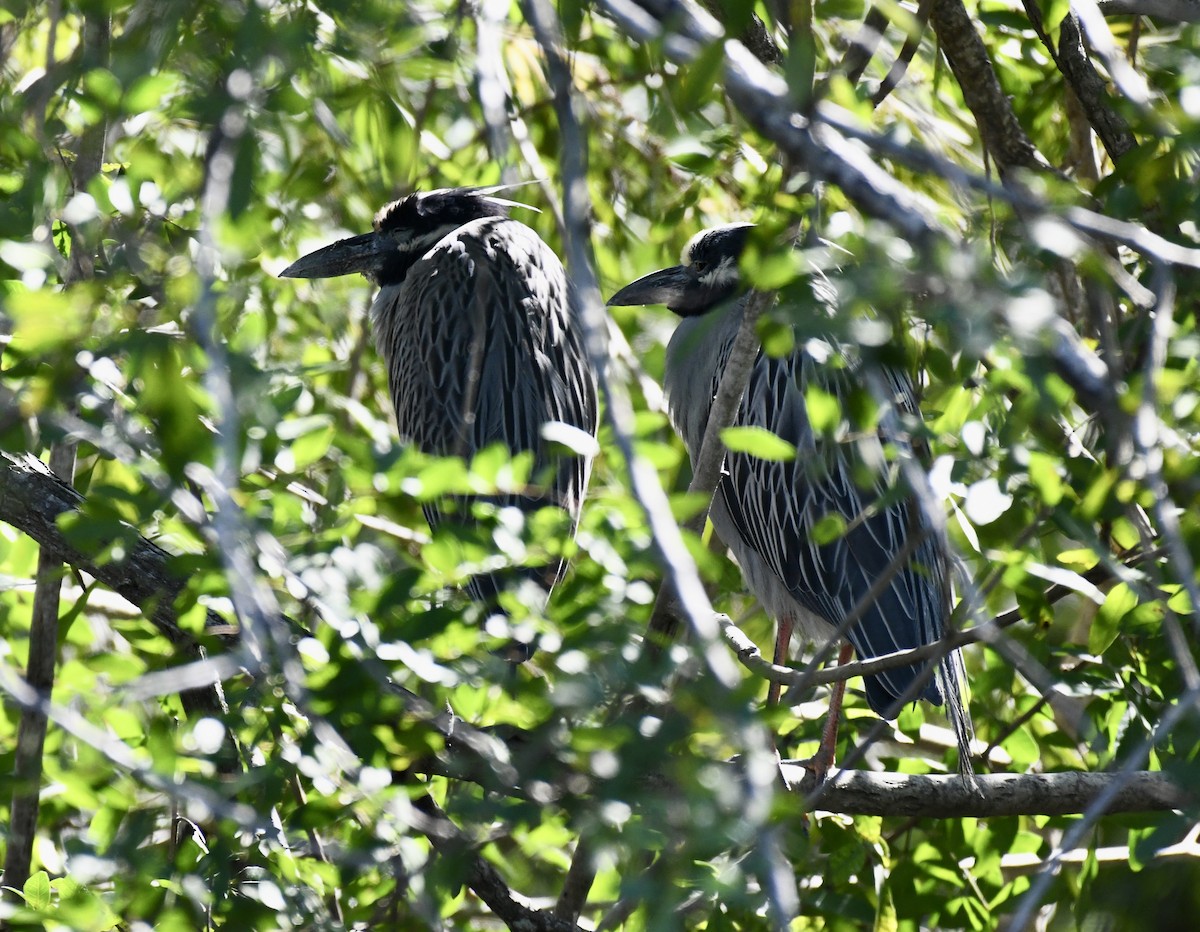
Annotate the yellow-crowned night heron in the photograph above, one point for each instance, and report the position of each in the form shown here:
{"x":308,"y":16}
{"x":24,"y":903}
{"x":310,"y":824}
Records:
{"x":765,"y":511}
{"x":479,"y":327}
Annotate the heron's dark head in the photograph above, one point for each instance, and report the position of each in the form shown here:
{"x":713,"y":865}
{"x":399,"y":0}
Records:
{"x":707,"y":277}
{"x":404,"y":231}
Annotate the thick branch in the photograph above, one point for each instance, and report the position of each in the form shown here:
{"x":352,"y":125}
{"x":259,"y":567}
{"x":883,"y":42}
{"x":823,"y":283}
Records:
{"x":765,"y":101}
{"x":32,"y":499}
{"x":1085,"y":81}
{"x":1088,"y":222}
{"x":856,"y":792}
{"x":1002,"y":135}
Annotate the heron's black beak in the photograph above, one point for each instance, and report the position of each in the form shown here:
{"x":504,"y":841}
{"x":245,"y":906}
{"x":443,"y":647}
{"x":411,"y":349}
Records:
{"x":366,"y":253}
{"x":666,"y":286}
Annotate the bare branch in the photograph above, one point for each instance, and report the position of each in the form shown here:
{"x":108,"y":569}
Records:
{"x":764,"y":100}
{"x":39,"y":674}
{"x":755,"y":36}
{"x":1100,"y":37}
{"x":483,"y":878}
{"x":863,"y":45}
{"x":264,"y":634}
{"x":576,"y":213}
{"x":825,"y":151}
{"x":94,"y":42}
{"x":1090,"y":89}
{"x":757,"y":783}
{"x":1133,"y":235}
{"x":1001,"y":133}
{"x":32,"y":499}
{"x":900,"y":66}
{"x":578,"y":884}
{"x":1148,"y":466}
{"x":856,"y":792}
{"x":203,"y":801}
{"x":493,"y":85}
{"x":752,"y":659}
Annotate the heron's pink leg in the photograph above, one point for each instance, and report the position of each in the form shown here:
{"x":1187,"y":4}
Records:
{"x":822,"y":761}
{"x":783,"y":640}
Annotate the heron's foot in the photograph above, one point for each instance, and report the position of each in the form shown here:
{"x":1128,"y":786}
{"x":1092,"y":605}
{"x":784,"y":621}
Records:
{"x":818,"y":765}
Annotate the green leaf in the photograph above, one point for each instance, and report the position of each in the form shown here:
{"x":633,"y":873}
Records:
{"x":830,"y":528}
{"x":1023,"y":748}
{"x":824,"y":411}
{"x":47,"y":319}
{"x":1079,"y":559}
{"x":771,"y":271}
{"x":778,"y":337}
{"x":37,"y":891}
{"x":1119,"y":602}
{"x":103,"y":87}
{"x":758,"y":442}
{"x":1043,"y":473}
{"x":148,"y":91}
{"x":312,"y":447}
{"x":700,"y":77}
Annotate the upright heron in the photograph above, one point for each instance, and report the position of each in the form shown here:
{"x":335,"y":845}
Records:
{"x":480,"y":330}
{"x":766,"y":511}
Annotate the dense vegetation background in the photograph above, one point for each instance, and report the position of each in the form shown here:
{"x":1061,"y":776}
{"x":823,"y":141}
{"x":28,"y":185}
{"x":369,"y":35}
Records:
{"x":1014,"y":219}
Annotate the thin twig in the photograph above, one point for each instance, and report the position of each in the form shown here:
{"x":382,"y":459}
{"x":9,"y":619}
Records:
{"x":663,"y":627}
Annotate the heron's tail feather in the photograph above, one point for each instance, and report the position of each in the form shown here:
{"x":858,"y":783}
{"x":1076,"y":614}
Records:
{"x":951,"y":681}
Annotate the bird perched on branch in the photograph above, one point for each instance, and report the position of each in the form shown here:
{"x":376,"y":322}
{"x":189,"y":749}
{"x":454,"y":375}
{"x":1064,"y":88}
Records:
{"x":480,"y":331}
{"x":767,"y":511}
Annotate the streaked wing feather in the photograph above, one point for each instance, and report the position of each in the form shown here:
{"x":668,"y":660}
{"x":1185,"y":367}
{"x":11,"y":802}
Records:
{"x":775,"y":506}
{"x":484,"y":349}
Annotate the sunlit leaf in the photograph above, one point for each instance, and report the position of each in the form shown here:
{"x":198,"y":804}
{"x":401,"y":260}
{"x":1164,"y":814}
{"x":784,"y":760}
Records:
{"x":758,"y":442}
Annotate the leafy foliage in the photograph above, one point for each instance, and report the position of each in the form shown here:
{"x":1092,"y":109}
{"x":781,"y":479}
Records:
{"x":197,"y":384}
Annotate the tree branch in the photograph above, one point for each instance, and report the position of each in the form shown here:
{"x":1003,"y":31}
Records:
{"x":1089,"y":87}
{"x":1126,"y":776}
{"x":1001,"y":133}
{"x":32,"y":499}
{"x":754,"y":35}
{"x":39,"y":674}
{"x":706,"y":473}
{"x":24,"y":480}
{"x":1132,"y":235}
{"x":863,"y":45}
{"x":483,"y":878}
{"x":822,"y":143}
{"x":900,"y":66}
{"x":765,"y":101}
{"x":857,"y":792}
{"x":752,"y":659}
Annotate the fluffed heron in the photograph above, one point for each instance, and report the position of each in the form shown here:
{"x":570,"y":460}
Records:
{"x":480,"y":330}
